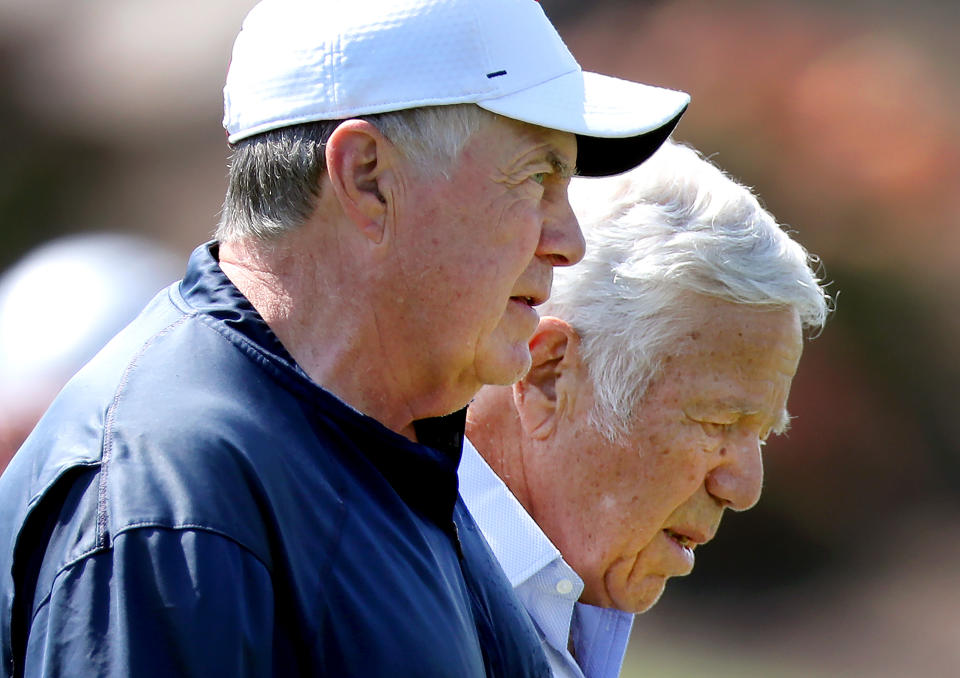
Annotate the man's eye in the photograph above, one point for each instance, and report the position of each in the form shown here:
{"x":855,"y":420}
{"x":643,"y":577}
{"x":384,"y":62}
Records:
{"x":715,"y":429}
{"x":539,"y":177}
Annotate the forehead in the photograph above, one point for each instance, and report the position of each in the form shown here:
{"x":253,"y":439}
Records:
{"x":745,"y":355}
{"x":515,"y":143}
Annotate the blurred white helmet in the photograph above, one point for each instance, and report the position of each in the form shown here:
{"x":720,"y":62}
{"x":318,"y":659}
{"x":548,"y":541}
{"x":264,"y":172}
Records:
{"x":63,"y":301}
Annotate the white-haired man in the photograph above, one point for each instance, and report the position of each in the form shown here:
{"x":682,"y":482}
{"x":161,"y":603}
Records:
{"x":258,"y":477}
{"x":661,"y":365}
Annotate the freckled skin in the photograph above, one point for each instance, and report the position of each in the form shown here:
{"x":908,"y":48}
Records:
{"x":693,"y":451}
{"x":468,"y":244}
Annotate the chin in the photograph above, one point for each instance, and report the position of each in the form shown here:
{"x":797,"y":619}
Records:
{"x":505,"y":369}
{"x":644,"y":605}
{"x":640,"y":597}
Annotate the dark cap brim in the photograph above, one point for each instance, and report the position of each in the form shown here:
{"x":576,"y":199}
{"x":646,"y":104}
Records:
{"x":603,"y":157}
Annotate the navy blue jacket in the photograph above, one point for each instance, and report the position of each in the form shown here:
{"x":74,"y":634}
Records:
{"x":192,"y":504}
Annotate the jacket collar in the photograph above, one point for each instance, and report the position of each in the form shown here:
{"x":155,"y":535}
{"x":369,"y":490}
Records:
{"x":424,"y":474}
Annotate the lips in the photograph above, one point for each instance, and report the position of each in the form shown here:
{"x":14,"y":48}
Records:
{"x":687,"y":537}
{"x":533,"y":288}
{"x":531,"y":301}
{"x":681,"y":539}
{"x":682,"y":559}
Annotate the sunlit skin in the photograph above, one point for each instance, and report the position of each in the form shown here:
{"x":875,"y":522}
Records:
{"x":408,"y":288}
{"x":627,"y":515}
{"x":497,"y":227}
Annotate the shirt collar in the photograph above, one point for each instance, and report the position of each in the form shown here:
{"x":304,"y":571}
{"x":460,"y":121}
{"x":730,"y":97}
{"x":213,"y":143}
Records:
{"x":537,"y":571}
{"x":515,"y":538}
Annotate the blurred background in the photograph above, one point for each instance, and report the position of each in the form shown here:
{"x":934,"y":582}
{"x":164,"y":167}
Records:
{"x":840,"y":113}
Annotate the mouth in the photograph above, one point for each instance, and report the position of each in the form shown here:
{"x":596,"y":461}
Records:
{"x":688,"y":539}
{"x":529,"y":301}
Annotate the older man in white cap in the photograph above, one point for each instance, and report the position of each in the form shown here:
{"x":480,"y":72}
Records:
{"x":258,"y":477}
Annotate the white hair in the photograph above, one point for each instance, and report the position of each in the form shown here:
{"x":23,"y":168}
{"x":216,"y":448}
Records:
{"x":273,"y":179}
{"x":675,"y":226}
{"x":432,"y":137}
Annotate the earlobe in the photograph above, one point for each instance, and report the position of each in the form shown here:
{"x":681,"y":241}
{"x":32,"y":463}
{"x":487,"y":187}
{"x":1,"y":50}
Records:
{"x":359,"y":162}
{"x":544,"y":394}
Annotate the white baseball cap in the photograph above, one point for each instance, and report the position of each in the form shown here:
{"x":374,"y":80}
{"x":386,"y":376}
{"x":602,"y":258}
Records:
{"x":298,"y":61}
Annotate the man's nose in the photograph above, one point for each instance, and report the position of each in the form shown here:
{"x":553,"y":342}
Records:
{"x":562,"y":240}
{"x":737,"y":480}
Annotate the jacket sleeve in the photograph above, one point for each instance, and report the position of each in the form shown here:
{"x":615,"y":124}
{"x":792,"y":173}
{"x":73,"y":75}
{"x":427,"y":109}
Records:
{"x":160,"y":602}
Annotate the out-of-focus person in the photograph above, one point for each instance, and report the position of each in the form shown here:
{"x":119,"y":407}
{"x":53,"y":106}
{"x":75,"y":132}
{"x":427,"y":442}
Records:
{"x":258,"y":476}
{"x":660,"y":367}
{"x":59,"y":304}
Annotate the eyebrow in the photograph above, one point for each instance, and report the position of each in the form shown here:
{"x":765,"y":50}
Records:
{"x":561,"y":166}
{"x":780,"y":426}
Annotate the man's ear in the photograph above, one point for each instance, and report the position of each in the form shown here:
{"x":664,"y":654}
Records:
{"x":360,"y":163}
{"x":548,"y":389}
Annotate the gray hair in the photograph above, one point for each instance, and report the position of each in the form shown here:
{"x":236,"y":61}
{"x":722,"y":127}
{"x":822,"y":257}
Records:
{"x":675,"y":226}
{"x":274,"y":176}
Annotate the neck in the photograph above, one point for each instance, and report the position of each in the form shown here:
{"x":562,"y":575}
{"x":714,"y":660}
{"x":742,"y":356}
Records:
{"x":331,"y":334}
{"x":494,"y":428}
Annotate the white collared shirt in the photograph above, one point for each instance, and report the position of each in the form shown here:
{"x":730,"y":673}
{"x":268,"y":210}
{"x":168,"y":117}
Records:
{"x":544,"y":583}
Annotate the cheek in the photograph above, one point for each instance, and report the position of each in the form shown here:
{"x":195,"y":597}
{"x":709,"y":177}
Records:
{"x":677,"y":474}
{"x":494,"y":252}
{"x":519,"y":220}
{"x":658,"y":475}
{"x":616,"y":496}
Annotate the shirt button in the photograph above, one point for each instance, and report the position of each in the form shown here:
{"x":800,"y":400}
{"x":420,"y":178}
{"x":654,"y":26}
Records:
{"x":564,"y":586}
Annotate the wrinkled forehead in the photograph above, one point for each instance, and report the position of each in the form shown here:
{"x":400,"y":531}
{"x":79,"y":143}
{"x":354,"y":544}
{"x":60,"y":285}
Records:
{"x":714,"y":329}
{"x":559,"y":146}
{"x":745,"y":354}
